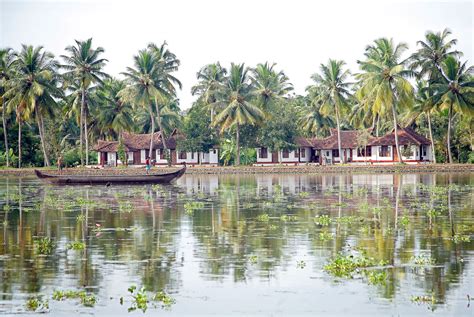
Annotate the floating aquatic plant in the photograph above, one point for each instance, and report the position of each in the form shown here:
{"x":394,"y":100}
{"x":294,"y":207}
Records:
{"x":190,"y":207}
{"x":458,"y":238}
{"x":36,"y":304}
{"x":347,"y":265}
{"x":300,"y":264}
{"x":44,"y":245}
{"x":322,"y":220}
{"x":325,"y":236}
{"x":88,"y":300}
{"x":76,"y":245}
{"x":376,"y":277}
{"x":422,"y":260}
{"x":263,"y":218}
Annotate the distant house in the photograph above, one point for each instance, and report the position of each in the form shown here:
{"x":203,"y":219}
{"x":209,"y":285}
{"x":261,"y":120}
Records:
{"x":137,"y":147}
{"x":415,"y":148}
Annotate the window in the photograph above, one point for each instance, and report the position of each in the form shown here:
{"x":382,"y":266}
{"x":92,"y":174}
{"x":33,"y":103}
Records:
{"x":192,"y":155}
{"x":424,"y":150}
{"x":182,"y":155}
{"x":285,"y":154}
{"x":364,"y":152}
{"x":327,"y":153}
{"x":335,"y":153}
{"x":263,"y":152}
{"x":303,"y":152}
{"x":384,"y":151}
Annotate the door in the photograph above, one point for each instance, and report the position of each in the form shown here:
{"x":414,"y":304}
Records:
{"x":275,"y":157}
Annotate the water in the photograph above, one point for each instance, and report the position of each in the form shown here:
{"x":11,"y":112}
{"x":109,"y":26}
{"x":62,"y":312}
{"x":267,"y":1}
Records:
{"x":242,"y":245}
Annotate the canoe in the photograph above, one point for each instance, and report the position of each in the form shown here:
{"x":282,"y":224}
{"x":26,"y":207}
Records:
{"x":163,"y":178}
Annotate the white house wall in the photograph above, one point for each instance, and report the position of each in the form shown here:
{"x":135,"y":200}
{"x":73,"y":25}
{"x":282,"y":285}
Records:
{"x":268,"y":159}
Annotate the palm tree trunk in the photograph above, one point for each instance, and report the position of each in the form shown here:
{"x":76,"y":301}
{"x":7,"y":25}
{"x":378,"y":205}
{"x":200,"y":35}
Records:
{"x":40,"y":130}
{"x":237,"y":139}
{"x":86,"y":138}
{"x":395,"y":125}
{"x":152,"y":117}
{"x":341,"y":156}
{"x":431,"y":138}
{"x":81,"y":124}
{"x":162,"y":132}
{"x":19,"y":143}
{"x":450,"y":155}
{"x":5,"y":132}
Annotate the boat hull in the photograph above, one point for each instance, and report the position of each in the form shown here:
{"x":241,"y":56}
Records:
{"x":110,"y":179}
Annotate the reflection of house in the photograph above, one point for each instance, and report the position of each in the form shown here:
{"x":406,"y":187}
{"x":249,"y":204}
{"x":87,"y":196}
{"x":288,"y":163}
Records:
{"x":414,"y":147}
{"x":137,"y":147}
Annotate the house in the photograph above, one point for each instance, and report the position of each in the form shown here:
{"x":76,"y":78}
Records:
{"x":304,"y":153}
{"x":414,"y":147}
{"x":137,"y":147}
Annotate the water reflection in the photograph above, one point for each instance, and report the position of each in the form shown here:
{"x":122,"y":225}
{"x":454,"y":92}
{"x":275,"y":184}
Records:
{"x":242,"y":240}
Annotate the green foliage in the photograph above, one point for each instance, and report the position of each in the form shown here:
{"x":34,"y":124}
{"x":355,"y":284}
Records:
{"x":36,"y":304}
{"x":347,"y":265}
{"x":323,"y":220}
{"x":87,"y":300}
{"x":200,"y":136}
{"x":76,"y":245}
{"x":190,"y":207}
{"x":280,"y":130}
{"x":44,"y":245}
{"x":122,"y":155}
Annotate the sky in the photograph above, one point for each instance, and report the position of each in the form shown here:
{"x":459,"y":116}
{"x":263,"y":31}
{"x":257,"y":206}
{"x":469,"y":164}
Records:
{"x":297,"y":35}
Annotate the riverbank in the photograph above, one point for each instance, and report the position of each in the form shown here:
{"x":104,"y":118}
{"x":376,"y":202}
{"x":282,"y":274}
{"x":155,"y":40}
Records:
{"x":301,"y":169}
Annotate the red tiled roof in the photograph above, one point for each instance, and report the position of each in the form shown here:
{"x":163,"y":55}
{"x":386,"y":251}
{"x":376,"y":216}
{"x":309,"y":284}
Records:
{"x":134,"y":142}
{"x":406,"y":136}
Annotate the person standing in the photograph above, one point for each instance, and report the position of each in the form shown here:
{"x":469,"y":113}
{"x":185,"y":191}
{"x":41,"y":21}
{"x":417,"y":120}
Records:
{"x":60,"y":163}
{"x":148,"y":164}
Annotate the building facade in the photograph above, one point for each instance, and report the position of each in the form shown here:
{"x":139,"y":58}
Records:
{"x":137,"y":148}
{"x":414,"y":149}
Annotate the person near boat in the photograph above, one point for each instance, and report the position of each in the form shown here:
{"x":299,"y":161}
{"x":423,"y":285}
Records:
{"x":148,"y":164}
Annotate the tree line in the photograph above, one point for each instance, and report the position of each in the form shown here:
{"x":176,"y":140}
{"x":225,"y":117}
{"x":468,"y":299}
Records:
{"x":52,"y":107}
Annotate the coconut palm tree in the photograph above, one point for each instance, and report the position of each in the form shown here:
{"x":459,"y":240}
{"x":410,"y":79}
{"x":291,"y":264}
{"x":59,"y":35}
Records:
{"x":455,"y":91}
{"x":333,"y":93}
{"x":112,"y":115}
{"x":83,"y":64}
{"x":434,"y":49}
{"x":165,"y":82}
{"x":210,"y":78}
{"x":269,"y":85}
{"x":32,"y":90}
{"x":141,"y":89}
{"x":235,"y":96}
{"x":169,"y":114}
{"x":6,"y":72}
{"x":424,"y":104}
{"x":383,"y":82}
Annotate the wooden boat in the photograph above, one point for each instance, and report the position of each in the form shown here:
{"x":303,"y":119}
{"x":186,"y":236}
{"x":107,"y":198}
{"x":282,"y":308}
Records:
{"x":64,"y":178}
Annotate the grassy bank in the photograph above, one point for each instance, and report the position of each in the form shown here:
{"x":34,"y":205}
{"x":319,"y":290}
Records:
{"x":302,"y":169}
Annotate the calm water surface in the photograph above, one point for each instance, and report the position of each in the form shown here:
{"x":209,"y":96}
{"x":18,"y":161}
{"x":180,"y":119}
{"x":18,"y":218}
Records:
{"x":243,"y":245}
